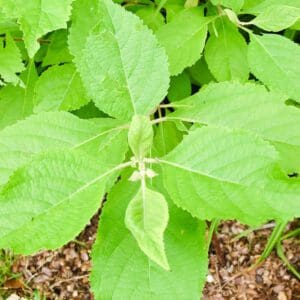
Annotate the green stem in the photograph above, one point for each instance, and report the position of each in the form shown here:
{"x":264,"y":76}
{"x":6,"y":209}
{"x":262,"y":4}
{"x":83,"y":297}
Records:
{"x":281,"y":254}
{"x":212,"y":229}
{"x":291,"y":234}
{"x":273,"y":240}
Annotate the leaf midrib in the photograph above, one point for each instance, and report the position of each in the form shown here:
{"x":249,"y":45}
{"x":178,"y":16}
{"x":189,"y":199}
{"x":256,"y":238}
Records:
{"x":191,"y":120}
{"x":282,"y":71}
{"x":62,"y":201}
{"x":219,"y":179}
{"x":113,"y":33}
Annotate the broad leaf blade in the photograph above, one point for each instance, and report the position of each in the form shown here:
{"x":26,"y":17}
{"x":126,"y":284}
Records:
{"x":226,"y":54}
{"x":275,"y":61}
{"x":184,"y":38}
{"x":16,"y":102}
{"x":151,"y":17}
{"x":48,"y":202}
{"x":37,"y":18}
{"x":147,"y":218}
{"x":122,"y":271}
{"x":277,"y":17}
{"x":59,"y":130}
{"x":67,"y":91}
{"x":218,"y":173}
{"x":249,"y":107}
{"x":180,"y":87}
{"x":257,"y":7}
{"x":167,"y":136}
{"x":123,"y":75}
{"x":200,"y":74}
{"x":84,"y":17}
{"x":57,"y":51}
{"x":11,"y":61}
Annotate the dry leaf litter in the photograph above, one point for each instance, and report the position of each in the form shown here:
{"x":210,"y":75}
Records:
{"x":63,"y":274}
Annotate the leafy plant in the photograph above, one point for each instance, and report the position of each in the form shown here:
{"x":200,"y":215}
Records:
{"x":88,"y":108}
{"x":6,"y":262}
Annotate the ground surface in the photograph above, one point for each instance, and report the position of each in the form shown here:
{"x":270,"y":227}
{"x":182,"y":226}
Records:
{"x":63,"y":274}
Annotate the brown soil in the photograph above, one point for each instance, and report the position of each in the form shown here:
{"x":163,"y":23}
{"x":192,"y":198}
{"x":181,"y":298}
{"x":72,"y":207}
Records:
{"x":63,"y":274}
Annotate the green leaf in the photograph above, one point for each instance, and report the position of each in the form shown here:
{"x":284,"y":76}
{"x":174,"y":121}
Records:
{"x":184,"y":38}
{"x":180,"y":87}
{"x":226,"y":54}
{"x":147,"y":218}
{"x":199,"y":73}
{"x":7,"y":24}
{"x":140,"y":136}
{"x":50,"y":200}
{"x":153,"y":19}
{"x":274,"y":60}
{"x":296,"y":26}
{"x":120,"y":84}
{"x":236,"y":5}
{"x":37,"y":18}
{"x":16,"y":102}
{"x":10,"y":61}
{"x":56,"y":130}
{"x":10,"y":105}
{"x":57,"y":51}
{"x":167,"y":136}
{"x":257,"y":7}
{"x":227,"y":174}
{"x":89,"y":111}
{"x":242,"y":106}
{"x":59,"y":88}
{"x":277,"y":17}
{"x":249,"y":107}
{"x":122,"y":271}
{"x":84,"y":17}
{"x":172,"y":9}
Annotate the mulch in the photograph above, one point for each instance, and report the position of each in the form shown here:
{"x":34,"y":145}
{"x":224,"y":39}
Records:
{"x":63,"y":274}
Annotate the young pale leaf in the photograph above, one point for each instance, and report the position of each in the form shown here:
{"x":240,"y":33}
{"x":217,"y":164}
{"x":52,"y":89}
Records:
{"x":67,"y":91}
{"x":220,"y":173}
{"x":59,"y":130}
{"x":249,"y":107}
{"x":37,"y":18}
{"x":122,"y":271}
{"x":11,"y":61}
{"x":184,"y":38}
{"x":62,"y":187}
{"x":180,"y":87}
{"x":275,"y":61}
{"x":16,"y":102}
{"x":277,"y":17}
{"x":147,"y":218}
{"x":236,"y":5}
{"x":120,"y":84}
{"x":140,"y":136}
{"x":226,"y":54}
